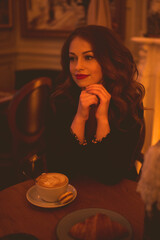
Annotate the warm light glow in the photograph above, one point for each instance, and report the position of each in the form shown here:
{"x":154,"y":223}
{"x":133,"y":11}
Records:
{"x":156,"y":119}
{"x":150,"y":77}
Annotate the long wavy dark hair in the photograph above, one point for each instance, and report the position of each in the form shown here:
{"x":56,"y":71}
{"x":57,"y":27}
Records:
{"x":118,"y":68}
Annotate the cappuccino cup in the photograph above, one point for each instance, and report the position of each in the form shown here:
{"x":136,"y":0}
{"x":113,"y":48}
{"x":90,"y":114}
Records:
{"x":51,"y":185}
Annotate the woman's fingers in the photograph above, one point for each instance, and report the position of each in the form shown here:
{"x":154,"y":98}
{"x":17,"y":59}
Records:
{"x":85,"y":101}
{"x":88,"y":99}
{"x":99,"y":91}
{"x":104,"y":99}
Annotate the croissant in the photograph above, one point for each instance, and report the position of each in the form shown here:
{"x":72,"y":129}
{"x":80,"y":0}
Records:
{"x":98,"y":227}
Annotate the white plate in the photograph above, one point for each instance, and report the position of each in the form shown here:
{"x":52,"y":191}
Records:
{"x":68,"y":221}
{"x":33,"y":197}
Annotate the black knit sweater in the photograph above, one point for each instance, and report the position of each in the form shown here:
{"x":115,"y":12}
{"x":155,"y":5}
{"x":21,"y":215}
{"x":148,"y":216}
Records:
{"x":108,"y":161}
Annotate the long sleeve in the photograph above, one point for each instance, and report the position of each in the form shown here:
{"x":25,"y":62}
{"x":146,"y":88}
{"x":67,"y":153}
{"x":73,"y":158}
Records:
{"x":108,"y":161}
{"x":112,"y":158}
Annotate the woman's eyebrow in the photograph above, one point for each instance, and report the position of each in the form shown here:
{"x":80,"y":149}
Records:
{"x":83,"y":52}
{"x":72,"y":53}
{"x":88,"y":51}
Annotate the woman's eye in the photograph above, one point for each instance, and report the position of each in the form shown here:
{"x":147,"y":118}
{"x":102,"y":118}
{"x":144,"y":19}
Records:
{"x":71,"y":59}
{"x":89,"y":57}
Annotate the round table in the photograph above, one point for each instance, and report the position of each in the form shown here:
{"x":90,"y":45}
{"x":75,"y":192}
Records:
{"x":19,"y":215}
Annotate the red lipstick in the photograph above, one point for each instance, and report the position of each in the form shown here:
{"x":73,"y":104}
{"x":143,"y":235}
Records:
{"x":81,"y":76}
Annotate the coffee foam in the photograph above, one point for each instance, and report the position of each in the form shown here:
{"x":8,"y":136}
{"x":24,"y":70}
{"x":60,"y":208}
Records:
{"x":52,"y":180}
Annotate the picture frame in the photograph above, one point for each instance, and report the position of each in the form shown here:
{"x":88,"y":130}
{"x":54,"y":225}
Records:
{"x":49,"y":19}
{"x":6,"y":14}
{"x":37,"y":22}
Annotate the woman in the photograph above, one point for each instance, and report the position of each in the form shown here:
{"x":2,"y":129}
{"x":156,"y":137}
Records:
{"x":98,"y":82}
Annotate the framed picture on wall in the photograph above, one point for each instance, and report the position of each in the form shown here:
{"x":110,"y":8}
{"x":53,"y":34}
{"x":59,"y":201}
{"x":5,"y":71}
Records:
{"x":50,"y":18}
{"x":5,"y":14}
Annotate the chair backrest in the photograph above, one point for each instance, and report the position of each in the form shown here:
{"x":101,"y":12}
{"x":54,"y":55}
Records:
{"x":27,"y":110}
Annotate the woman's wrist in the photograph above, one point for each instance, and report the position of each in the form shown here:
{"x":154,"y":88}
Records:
{"x":78,"y":128}
{"x":80,"y":119}
{"x":84,"y":142}
{"x":103,"y":129}
{"x":103,"y":122}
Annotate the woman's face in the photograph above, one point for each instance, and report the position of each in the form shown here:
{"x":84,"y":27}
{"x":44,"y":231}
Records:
{"x":84,"y":68}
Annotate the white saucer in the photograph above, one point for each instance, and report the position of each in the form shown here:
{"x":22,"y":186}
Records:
{"x":72,"y":218}
{"x":33,"y":197}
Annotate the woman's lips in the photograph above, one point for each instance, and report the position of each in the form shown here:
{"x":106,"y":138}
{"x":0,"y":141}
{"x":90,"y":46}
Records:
{"x":81,"y":76}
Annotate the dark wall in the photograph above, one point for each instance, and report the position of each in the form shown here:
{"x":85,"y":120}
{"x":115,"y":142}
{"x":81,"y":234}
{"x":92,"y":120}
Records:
{"x":24,"y":76}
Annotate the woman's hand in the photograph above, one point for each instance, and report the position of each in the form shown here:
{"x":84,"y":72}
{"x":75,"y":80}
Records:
{"x":103,"y":127}
{"x":93,"y":94}
{"x":86,"y":99}
{"x":78,"y":125}
{"x":104,"y":99}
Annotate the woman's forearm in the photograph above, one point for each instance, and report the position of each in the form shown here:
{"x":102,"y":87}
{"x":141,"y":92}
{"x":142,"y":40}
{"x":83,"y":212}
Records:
{"x":78,"y":128}
{"x":103,"y":129}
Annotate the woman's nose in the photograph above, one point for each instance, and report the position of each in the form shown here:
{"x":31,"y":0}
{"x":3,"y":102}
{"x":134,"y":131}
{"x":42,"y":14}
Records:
{"x":79,"y":64}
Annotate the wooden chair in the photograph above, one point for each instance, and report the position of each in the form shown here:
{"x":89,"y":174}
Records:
{"x":27,"y":114}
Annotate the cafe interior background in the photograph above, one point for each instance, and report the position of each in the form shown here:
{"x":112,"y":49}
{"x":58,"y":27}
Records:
{"x":27,"y":52}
